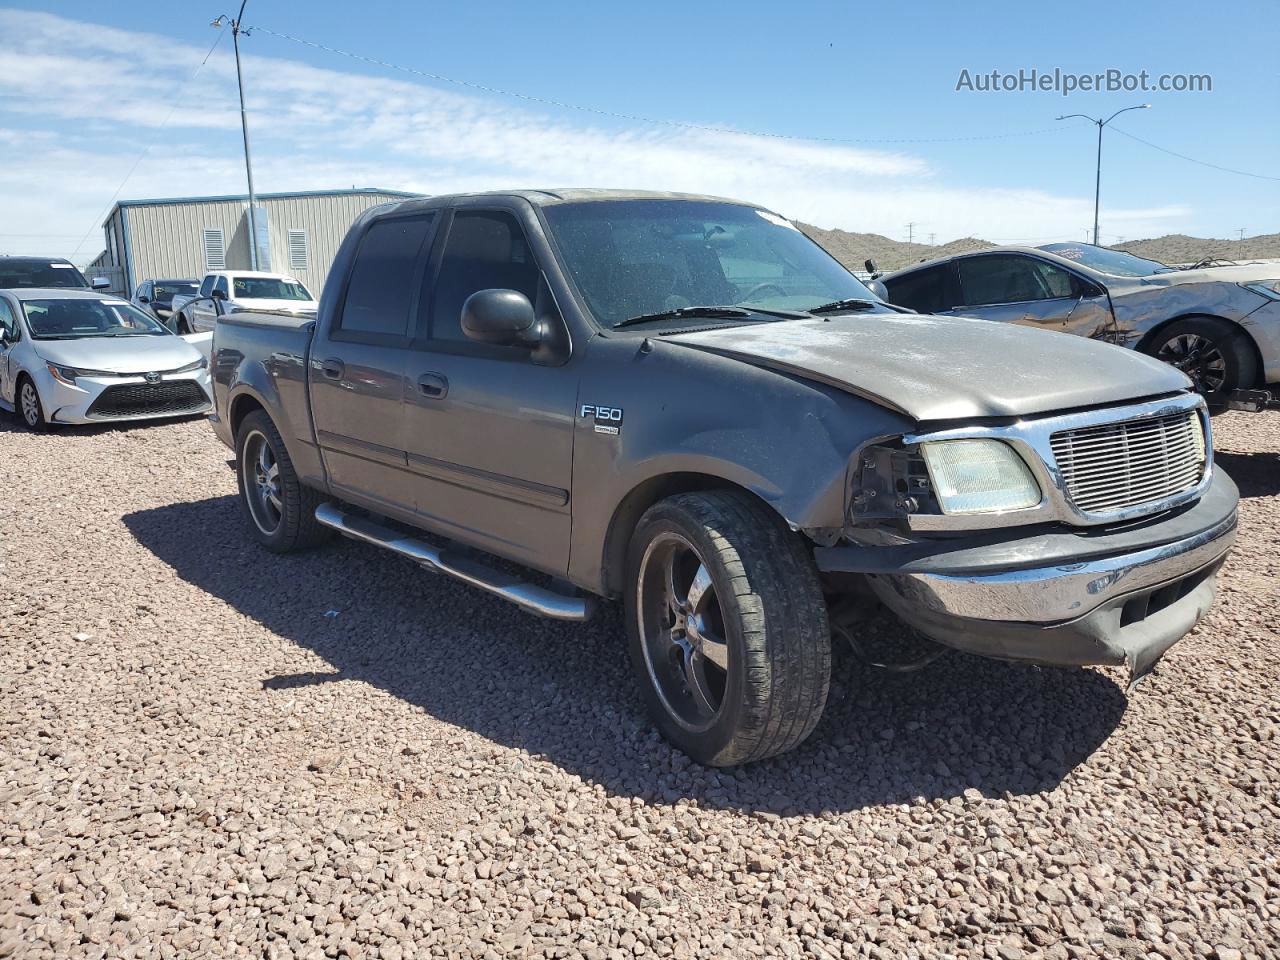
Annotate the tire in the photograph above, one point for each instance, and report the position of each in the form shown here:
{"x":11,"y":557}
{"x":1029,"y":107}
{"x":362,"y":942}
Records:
{"x":28,"y":406}
{"x":727,"y":627}
{"x":280,"y":510}
{"x":1216,"y":354}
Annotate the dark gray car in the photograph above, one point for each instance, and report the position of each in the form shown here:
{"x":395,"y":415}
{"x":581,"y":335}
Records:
{"x":1220,"y":325}
{"x":684,"y":403}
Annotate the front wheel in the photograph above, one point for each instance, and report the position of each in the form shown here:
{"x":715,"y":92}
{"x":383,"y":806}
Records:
{"x":1214,"y":353}
{"x":29,"y":406}
{"x":727,"y":627}
{"x":281,"y":511}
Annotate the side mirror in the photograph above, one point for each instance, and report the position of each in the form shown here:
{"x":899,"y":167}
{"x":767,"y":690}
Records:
{"x":144,"y":299}
{"x":871,"y":267}
{"x":500,"y":316}
{"x":218,"y":295}
{"x":100,"y":283}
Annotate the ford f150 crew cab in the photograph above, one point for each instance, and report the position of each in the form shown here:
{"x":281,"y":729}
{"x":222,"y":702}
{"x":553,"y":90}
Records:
{"x":685,"y":403}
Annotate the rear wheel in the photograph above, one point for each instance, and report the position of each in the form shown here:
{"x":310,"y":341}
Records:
{"x":29,"y":406}
{"x":1214,"y":353}
{"x":280,"y":510}
{"x":727,"y":626}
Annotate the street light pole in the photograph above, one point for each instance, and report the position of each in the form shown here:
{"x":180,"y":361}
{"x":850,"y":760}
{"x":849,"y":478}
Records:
{"x":244,"y":129}
{"x":1097,"y":178}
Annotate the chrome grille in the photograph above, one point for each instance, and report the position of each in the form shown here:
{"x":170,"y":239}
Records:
{"x":1114,"y":466}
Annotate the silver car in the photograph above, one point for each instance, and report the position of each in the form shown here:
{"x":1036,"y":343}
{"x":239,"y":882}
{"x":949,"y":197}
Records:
{"x":76,"y":356}
{"x":1218,"y":325}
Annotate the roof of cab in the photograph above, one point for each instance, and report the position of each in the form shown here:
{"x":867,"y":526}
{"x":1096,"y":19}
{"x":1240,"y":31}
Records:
{"x":546,"y":197}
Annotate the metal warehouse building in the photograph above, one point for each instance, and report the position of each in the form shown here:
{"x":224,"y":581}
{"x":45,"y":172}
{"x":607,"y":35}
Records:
{"x":298,"y":234}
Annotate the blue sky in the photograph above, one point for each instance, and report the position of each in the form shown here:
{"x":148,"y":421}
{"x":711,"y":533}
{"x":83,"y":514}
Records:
{"x":85,"y":90}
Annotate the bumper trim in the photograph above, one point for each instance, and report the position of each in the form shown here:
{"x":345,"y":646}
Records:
{"x":1055,"y":594}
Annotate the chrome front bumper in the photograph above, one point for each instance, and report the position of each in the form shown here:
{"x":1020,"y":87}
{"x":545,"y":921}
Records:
{"x":1061,"y":599}
{"x":1064,"y":591}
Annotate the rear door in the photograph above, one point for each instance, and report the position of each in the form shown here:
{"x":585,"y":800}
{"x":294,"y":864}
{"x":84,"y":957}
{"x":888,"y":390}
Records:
{"x":358,"y":366}
{"x":489,"y":430}
{"x":1017,"y":288}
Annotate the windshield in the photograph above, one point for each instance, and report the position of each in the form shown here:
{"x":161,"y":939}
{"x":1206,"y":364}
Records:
{"x":40,"y":273}
{"x":635,"y":257}
{"x":1114,"y":262}
{"x":165,"y":292}
{"x":79,"y":319}
{"x":269,"y":288}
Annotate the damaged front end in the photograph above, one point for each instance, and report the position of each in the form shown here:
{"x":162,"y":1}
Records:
{"x":1070,"y":540}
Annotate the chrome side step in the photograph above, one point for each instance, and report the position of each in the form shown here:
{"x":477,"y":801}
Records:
{"x":535,"y":599}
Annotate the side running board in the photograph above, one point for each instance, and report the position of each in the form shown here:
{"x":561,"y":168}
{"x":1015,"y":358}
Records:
{"x":535,"y":599}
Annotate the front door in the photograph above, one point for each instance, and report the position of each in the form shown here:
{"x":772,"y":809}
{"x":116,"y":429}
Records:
{"x":489,"y":432}
{"x":204,"y":311}
{"x":1015,"y":288}
{"x":358,"y":367}
{"x":8,"y":341}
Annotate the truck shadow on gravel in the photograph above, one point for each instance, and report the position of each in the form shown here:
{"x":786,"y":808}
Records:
{"x":565,"y":692}
{"x":1256,"y":474}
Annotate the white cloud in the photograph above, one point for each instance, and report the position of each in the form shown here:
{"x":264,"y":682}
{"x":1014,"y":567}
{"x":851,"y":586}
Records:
{"x":107,"y":93}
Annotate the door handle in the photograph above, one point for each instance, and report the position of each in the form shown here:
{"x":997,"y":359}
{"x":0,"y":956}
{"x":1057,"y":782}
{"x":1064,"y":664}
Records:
{"x":434,"y":386}
{"x":333,"y":368}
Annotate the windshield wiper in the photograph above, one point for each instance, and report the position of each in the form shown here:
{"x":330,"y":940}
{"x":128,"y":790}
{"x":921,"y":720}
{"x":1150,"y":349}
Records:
{"x":725,"y":312}
{"x":853,"y":303}
{"x":709,"y":311}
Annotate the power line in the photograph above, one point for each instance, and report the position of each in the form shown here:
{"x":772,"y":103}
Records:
{"x":178,"y":92}
{"x":1203,"y":163}
{"x":635,"y":118}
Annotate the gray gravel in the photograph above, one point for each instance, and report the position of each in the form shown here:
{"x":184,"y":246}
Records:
{"x":207,"y":750}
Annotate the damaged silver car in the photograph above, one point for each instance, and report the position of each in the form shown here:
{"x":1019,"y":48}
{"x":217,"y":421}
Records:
{"x":1220,"y":325}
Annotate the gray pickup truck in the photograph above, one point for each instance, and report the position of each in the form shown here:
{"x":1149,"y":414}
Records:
{"x":685,"y":403}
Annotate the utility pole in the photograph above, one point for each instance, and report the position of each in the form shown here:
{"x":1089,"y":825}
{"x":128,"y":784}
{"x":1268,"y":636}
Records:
{"x":1241,"y":247}
{"x":931,"y":239}
{"x":910,"y":232}
{"x":244,"y":129}
{"x":1097,"y":178}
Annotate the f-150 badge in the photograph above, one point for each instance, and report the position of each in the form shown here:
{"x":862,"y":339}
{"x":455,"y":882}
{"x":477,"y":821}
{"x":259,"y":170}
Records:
{"x":607,"y":419}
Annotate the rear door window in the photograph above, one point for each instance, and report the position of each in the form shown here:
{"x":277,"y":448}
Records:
{"x":1010,"y":278}
{"x":380,"y":291}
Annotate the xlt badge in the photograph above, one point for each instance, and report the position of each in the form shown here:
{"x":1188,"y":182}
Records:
{"x":607,"y":419}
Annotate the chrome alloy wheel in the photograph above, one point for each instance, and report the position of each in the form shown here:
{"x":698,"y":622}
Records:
{"x":30,"y":402}
{"x":682,"y":632}
{"x":1199,"y":358}
{"x":260,"y":476}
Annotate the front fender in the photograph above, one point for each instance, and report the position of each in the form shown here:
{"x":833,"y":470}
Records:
{"x":701,"y":416}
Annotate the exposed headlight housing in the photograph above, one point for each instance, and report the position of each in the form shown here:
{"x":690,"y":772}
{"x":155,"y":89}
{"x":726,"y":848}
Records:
{"x":1268,"y":288}
{"x":979,"y":476}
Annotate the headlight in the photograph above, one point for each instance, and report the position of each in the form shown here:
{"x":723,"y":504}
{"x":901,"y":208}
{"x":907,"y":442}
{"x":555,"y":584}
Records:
{"x":198,"y":365}
{"x":68,"y":375}
{"x":979,"y":476}
{"x":1268,"y":288}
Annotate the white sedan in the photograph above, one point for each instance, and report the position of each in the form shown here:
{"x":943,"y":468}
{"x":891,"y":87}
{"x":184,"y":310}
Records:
{"x":77,"y":356}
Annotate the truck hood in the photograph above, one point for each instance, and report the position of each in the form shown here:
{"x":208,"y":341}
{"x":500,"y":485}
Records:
{"x":119,"y":354}
{"x":1244,"y":273}
{"x":945,"y":368}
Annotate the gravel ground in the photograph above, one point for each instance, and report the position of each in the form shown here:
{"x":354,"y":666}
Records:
{"x":207,"y":750}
